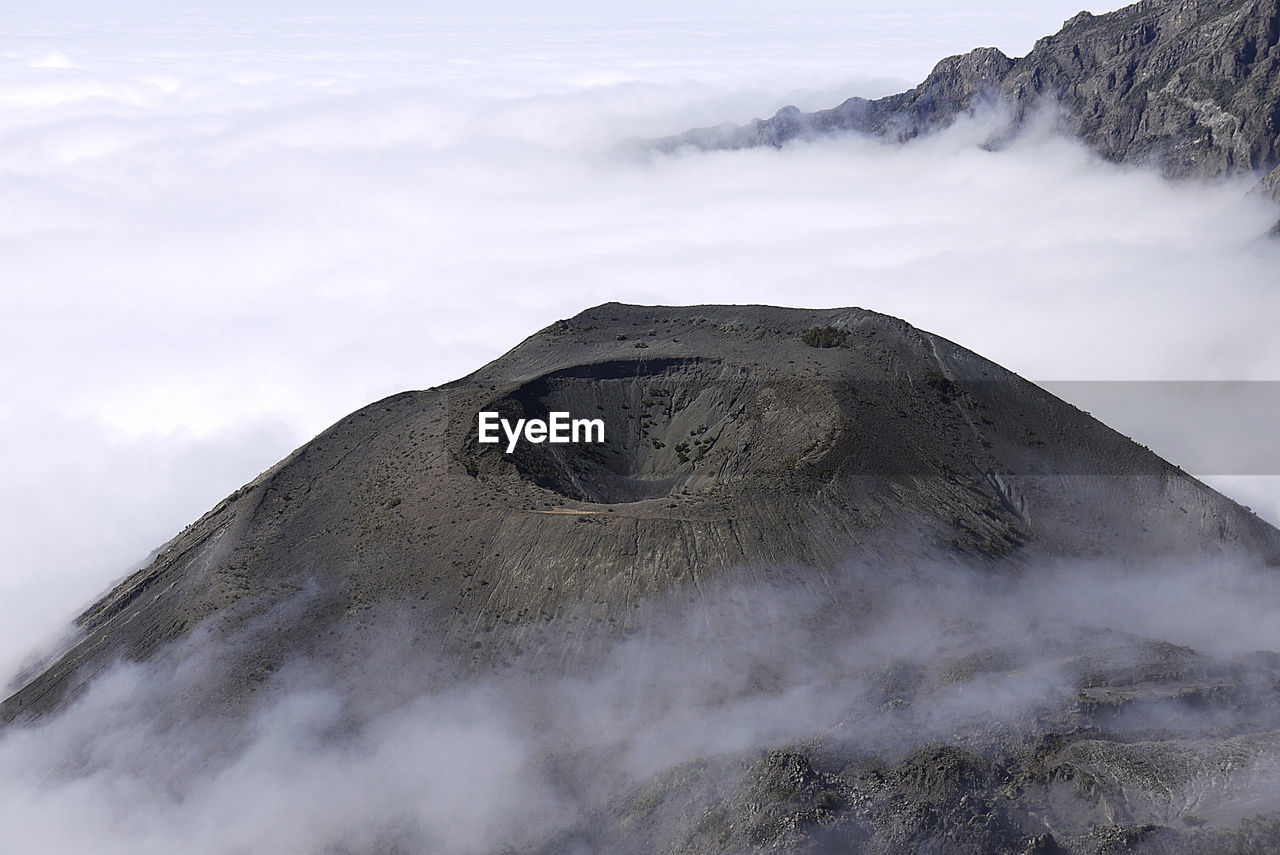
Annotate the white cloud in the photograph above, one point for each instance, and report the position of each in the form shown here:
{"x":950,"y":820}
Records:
{"x":539,"y":761}
{"x":53,"y":59}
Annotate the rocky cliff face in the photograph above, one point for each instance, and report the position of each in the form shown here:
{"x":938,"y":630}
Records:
{"x":1192,"y":87}
{"x":820,"y":589}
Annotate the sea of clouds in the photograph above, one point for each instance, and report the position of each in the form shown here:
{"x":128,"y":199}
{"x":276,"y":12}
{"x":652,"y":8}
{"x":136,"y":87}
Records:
{"x":222,"y":231}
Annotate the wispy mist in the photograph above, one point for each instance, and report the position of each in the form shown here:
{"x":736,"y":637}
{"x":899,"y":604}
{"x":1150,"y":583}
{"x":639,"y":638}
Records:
{"x":854,"y":663}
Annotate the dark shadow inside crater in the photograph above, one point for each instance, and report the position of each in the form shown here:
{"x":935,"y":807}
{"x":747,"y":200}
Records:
{"x":670,"y":426}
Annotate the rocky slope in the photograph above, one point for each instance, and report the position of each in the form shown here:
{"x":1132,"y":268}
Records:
{"x":1192,"y":86}
{"x":808,"y":518}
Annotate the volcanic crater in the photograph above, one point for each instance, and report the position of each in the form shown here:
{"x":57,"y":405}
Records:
{"x":672,"y":426}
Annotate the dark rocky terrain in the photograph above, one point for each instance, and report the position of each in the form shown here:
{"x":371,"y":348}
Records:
{"x":1192,"y":86}
{"x":826,"y":522}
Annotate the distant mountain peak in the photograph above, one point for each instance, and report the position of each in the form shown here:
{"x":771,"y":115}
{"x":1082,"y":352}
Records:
{"x":1192,"y":88}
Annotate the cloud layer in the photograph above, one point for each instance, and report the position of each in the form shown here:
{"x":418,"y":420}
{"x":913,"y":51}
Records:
{"x":861,"y":661}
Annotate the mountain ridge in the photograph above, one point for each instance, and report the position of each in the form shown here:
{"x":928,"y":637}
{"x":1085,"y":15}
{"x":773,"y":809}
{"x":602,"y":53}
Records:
{"x":1191,"y":87}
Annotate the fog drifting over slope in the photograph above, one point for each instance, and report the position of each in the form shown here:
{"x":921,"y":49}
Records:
{"x":544,"y":763}
{"x":218,"y":236}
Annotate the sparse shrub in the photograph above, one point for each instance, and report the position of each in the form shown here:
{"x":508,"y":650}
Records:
{"x":824,"y":337}
{"x":946,"y":388}
{"x":828,"y":800}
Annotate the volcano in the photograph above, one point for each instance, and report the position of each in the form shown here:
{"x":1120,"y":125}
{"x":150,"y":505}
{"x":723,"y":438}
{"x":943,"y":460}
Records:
{"x":830,"y":454}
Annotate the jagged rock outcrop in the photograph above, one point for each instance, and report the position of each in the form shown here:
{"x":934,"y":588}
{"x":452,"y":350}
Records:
{"x":1192,"y":86}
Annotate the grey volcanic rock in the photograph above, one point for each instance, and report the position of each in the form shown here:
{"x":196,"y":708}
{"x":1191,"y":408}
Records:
{"x":814,"y":464}
{"x":1193,"y":87}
